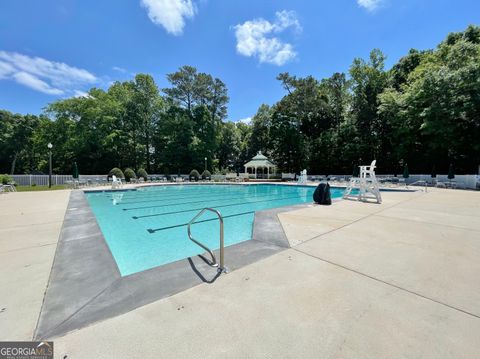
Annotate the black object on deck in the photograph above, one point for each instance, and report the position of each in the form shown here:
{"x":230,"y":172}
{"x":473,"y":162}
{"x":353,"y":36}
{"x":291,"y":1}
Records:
{"x":322,"y":194}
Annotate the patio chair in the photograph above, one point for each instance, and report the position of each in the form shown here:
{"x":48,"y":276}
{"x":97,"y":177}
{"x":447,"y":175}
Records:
{"x":441,"y":184}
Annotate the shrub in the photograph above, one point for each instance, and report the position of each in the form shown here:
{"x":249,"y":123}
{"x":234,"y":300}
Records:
{"x":206,"y":174}
{"x":129,"y":174}
{"x":141,"y":173}
{"x":5,"y":179}
{"x":194,"y":175}
{"x":116,"y":172}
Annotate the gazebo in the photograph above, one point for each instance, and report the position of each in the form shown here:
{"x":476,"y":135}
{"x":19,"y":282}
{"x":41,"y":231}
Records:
{"x":259,"y":162}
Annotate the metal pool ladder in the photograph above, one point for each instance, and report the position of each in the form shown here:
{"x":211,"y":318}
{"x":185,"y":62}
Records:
{"x":213,"y":263}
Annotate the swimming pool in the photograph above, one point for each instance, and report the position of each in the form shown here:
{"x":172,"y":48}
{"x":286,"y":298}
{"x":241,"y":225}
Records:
{"x":147,"y":227}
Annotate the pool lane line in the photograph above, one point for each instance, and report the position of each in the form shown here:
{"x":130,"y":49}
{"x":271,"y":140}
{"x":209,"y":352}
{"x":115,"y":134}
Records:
{"x":151,"y":231}
{"x":206,"y":199}
{"x":170,"y":198}
{"x":195,"y":195}
{"x":198,"y":209}
{"x":191,"y":189}
{"x":167,"y":195}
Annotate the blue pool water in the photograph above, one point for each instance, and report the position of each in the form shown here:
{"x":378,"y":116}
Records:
{"x":147,"y":227}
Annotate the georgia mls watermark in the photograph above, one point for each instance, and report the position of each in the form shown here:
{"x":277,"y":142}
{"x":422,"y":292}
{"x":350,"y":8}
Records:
{"x":26,"y":350}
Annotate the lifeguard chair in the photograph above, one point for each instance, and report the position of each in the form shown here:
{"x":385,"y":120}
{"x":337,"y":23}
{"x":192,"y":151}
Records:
{"x":366,"y":184}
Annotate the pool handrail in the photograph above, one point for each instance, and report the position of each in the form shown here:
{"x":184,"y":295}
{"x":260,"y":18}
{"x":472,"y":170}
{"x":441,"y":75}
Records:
{"x":214,"y":263}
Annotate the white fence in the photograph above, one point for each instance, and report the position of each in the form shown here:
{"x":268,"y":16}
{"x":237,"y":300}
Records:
{"x":42,"y":180}
{"x":464,"y":181}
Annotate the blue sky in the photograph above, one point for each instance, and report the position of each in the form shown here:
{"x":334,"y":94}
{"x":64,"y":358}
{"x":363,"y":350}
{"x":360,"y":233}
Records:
{"x":51,"y":49}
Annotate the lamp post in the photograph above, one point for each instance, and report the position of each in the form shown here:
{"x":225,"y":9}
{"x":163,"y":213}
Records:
{"x":205,"y":163}
{"x":50,"y":146}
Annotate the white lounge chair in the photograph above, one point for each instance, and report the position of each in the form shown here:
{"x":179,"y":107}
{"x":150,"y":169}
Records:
{"x":288,"y":176}
{"x":231,"y":176}
{"x":8,"y":188}
{"x":116,"y":182}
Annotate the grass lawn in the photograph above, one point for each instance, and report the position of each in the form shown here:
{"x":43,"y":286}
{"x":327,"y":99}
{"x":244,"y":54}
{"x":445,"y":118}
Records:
{"x":40,"y":188}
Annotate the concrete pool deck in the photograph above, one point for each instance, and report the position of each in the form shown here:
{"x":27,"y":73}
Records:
{"x":400,"y":279}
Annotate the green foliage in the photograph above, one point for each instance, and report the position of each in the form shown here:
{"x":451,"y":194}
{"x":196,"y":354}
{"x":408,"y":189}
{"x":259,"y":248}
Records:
{"x":116,"y":172}
{"x":141,"y":173}
{"x":425,"y":110}
{"x":129,"y":174}
{"x":5,"y":179}
{"x":191,"y":89}
{"x":205,"y":174}
{"x":194,"y":175}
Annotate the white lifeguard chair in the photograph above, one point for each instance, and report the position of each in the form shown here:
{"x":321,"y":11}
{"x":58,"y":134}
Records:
{"x":303,"y":177}
{"x":366,"y":184}
{"x":116,"y":182}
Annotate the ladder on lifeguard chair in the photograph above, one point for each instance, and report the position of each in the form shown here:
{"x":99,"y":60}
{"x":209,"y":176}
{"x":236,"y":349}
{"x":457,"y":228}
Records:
{"x":366,"y":184}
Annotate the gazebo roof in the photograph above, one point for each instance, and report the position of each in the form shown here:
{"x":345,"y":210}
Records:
{"x":259,"y":161}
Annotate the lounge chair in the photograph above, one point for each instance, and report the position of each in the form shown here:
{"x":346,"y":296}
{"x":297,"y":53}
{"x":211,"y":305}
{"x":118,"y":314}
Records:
{"x":7,"y":188}
{"x":231,"y":177}
{"x":288,"y":176}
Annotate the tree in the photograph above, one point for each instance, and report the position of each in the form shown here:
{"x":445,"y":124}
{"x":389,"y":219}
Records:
{"x":368,"y":80}
{"x":147,"y":105}
{"x":190,"y":89}
{"x":260,"y":137}
{"x":229,"y":147}
{"x":183,"y":84}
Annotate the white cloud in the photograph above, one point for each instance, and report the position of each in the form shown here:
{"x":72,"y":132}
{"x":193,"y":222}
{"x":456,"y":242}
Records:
{"x":29,"y":80}
{"x":78,"y":93}
{"x":254,"y":38}
{"x":170,"y":14}
{"x":370,"y":5}
{"x":119,"y":69}
{"x":246,"y":120}
{"x":53,"y":78}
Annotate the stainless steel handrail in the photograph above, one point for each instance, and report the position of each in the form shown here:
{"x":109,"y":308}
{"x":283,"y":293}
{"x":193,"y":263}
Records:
{"x":214,"y":263}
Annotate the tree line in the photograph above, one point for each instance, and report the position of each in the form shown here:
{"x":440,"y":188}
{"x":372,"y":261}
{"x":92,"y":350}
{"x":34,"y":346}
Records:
{"x":424,"y":111}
